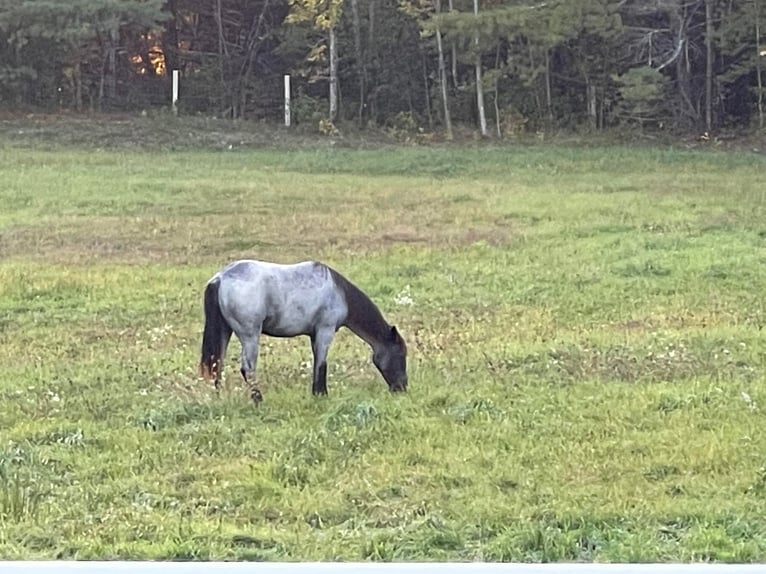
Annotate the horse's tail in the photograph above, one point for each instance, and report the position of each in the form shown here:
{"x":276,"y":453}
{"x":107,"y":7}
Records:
{"x":213,"y":336}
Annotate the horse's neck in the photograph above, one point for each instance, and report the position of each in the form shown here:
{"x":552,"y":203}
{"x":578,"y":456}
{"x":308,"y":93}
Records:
{"x":368,"y":324}
{"x":364,"y":319}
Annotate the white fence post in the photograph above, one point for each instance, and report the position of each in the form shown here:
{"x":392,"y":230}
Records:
{"x":175,"y":91}
{"x":287,"y":100}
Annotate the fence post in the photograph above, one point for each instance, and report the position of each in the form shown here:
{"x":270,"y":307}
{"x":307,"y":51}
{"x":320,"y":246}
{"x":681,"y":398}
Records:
{"x":175,"y":92}
{"x":287,"y":100}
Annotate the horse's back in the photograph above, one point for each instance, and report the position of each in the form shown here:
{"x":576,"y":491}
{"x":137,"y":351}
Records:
{"x":247,"y":269}
{"x":286,"y":299}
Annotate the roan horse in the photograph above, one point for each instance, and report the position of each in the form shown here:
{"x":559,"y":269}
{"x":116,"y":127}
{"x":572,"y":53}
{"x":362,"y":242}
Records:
{"x":250,"y":298}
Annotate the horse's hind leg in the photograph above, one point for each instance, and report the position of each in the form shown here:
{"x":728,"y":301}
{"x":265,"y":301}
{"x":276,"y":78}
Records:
{"x":225,"y":338}
{"x":250,"y":363}
{"x":320,"y":344}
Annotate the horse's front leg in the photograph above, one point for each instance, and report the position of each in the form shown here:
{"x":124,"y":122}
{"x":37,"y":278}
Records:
{"x":320,"y":344}
{"x":250,"y":346}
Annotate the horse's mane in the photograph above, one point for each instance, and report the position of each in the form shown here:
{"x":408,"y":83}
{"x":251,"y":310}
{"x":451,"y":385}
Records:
{"x":364,"y":317}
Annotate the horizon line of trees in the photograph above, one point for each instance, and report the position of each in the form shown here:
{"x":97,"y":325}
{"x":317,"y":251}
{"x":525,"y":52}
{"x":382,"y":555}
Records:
{"x":504,"y":66}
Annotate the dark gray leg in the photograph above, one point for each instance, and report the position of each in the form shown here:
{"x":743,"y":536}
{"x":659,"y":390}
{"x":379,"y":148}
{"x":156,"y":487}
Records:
{"x":320,"y":344}
{"x":250,"y":363}
{"x":218,"y":369}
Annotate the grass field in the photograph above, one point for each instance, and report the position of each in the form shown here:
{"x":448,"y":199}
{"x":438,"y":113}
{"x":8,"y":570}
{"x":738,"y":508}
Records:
{"x":586,"y":357}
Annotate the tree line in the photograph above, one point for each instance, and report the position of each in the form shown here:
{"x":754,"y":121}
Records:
{"x":503,"y":66}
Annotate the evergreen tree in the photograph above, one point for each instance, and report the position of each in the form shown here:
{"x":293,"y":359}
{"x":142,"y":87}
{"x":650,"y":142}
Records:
{"x":71,"y":47}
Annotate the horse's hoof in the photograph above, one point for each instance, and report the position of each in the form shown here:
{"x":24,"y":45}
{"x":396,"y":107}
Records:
{"x":256,"y":395}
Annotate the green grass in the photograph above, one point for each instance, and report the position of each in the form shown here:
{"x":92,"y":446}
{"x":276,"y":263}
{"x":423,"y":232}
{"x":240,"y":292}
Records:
{"x":586,"y":356}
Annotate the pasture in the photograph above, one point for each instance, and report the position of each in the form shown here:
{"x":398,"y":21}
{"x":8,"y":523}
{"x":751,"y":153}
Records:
{"x":586,"y":355}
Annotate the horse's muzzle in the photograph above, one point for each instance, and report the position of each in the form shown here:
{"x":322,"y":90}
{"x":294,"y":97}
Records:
{"x":398,"y":387}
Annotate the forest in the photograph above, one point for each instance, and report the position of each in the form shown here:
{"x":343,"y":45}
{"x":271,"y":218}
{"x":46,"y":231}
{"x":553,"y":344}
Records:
{"x":500,"y":67}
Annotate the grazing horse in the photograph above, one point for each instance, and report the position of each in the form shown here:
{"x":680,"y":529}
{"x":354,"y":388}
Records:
{"x":250,"y":298}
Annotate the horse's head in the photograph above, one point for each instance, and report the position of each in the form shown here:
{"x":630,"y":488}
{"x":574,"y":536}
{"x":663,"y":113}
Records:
{"x":391,"y":360}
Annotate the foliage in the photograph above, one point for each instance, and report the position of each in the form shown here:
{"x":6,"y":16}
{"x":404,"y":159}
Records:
{"x":557,"y":63}
{"x":74,"y":35}
{"x":327,"y":128}
{"x":739,"y":49}
{"x":641,"y":92}
{"x":323,"y":14}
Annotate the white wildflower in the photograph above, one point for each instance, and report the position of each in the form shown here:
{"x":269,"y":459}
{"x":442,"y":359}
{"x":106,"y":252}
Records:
{"x":751,"y":404}
{"x":404,"y":297}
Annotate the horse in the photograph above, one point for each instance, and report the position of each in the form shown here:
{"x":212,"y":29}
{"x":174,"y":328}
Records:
{"x":251,"y":298}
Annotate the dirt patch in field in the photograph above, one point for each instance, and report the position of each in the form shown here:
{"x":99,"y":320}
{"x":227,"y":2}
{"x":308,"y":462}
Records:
{"x":75,"y":243}
{"x":79,"y":240}
{"x":442,"y":237}
{"x":689,"y":320}
{"x":404,"y":235}
{"x":648,"y":362}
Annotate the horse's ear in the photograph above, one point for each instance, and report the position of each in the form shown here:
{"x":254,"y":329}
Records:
{"x":395,"y":336}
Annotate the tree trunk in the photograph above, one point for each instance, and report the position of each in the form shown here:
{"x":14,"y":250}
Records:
{"x":371,"y":69}
{"x":333,"y":76}
{"x":226,"y":97}
{"x":495,"y":92}
{"x":170,"y":39}
{"x":102,"y":82}
{"x":709,"y":65}
{"x":535,"y":90}
{"x":427,"y":93}
{"x":479,"y":86}
{"x":360,"y":60}
{"x":687,"y":113}
{"x":758,"y":56}
{"x":77,"y":76}
{"x":371,"y":30}
{"x":443,"y":74}
{"x":590,"y":92}
{"x":253,"y":44}
{"x":453,"y":55}
{"x":548,"y":94}
{"x":111,"y":83}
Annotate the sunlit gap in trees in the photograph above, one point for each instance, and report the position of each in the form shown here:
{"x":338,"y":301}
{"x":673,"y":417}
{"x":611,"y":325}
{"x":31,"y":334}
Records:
{"x":154,"y":55}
